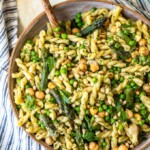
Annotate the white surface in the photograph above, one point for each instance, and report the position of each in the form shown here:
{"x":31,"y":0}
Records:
{"x":29,"y":9}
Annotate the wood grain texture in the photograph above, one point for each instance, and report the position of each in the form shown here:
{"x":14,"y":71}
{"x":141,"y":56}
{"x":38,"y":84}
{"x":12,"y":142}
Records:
{"x":63,"y":11}
{"x":49,"y":12}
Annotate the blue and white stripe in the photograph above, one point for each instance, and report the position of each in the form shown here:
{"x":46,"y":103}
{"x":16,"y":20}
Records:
{"x":12,"y":137}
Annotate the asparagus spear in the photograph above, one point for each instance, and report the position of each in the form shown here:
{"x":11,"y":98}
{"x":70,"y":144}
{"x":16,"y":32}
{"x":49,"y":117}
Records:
{"x":129,"y":97}
{"x":66,"y":109}
{"x":95,"y":25}
{"x":48,"y":124}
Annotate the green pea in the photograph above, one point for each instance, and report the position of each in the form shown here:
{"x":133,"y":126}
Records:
{"x":132,"y":84}
{"x":34,"y":61}
{"x":128,"y":86}
{"x":63,"y":71}
{"x":18,"y":106}
{"x":120,"y":127}
{"x":33,"y":53}
{"x":77,"y":109}
{"x":132,"y":43}
{"x":69,"y":65}
{"x":78,"y":15}
{"x":27,"y":86}
{"x":107,"y":118}
{"x":121,"y":79}
{"x":78,"y":20}
{"x":80,"y":24}
{"x":127,"y":32}
{"x":57,"y":73}
{"x":24,"y":50}
{"x":93,"y":9}
{"x":78,"y":34}
{"x":28,"y":42}
{"x":104,"y":107}
{"x":94,"y":80}
{"x":141,"y":122}
{"x":117,"y":45}
{"x":143,"y":112}
{"x":55,"y":121}
{"x":103,"y":144}
{"x":134,"y":60}
{"x":71,"y":81}
{"x":122,"y":96}
{"x":64,"y":36}
{"x":109,"y":38}
{"x":82,"y":46}
{"x":47,"y":112}
{"x":66,"y":48}
{"x":100,"y":109}
{"x":18,"y":80}
{"x":142,"y":93}
{"x":140,"y":63}
{"x":42,"y":126}
{"x":135,"y":87}
{"x":143,"y":58}
{"x":58,"y":29}
{"x":142,"y":106}
{"x":57,"y":35}
{"x":87,"y":111}
{"x":112,"y":120}
{"x":119,"y":69}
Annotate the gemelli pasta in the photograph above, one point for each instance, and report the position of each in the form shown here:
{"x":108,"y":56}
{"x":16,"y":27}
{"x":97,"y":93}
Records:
{"x":86,"y":84}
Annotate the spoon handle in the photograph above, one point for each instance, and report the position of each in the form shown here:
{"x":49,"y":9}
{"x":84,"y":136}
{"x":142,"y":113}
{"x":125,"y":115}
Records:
{"x":51,"y":16}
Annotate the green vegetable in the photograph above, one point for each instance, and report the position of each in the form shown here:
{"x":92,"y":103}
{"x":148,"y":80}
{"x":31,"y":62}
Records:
{"x":71,"y":81}
{"x":57,"y":73}
{"x":104,"y":107}
{"x":141,"y":122}
{"x":129,"y":93}
{"x":61,"y":100}
{"x":47,"y":122}
{"x":143,"y":112}
{"x":63,"y":71}
{"x":142,"y":93}
{"x":123,"y":36}
{"x":132,"y":43}
{"x":90,"y":136}
{"x":148,"y":77}
{"x":69,"y":65}
{"x":122,"y":54}
{"x":130,"y":24}
{"x":18,"y":106}
{"x":121,"y":79}
{"x":120,"y":127}
{"x":78,"y":138}
{"x":30,"y":102}
{"x":51,"y":63}
{"x":57,"y":35}
{"x":78,"y":34}
{"x":78,"y":15}
{"x":53,"y":100}
{"x":123,"y":116}
{"x":77,"y":109}
{"x":78,"y":20}
{"x":80,"y":24}
{"x":134,"y":60}
{"x":57,"y":29}
{"x":27,"y":86}
{"x":112,"y":120}
{"x":132,"y":84}
{"x":94,"y":80}
{"x":96,"y":24}
{"x":100,"y":109}
{"x":64,"y":36}
{"x":93,"y":9}
{"x":117,"y":45}
{"x":64,"y":95}
{"x":103,"y":144}
{"x":127,"y":32}
{"x":122,"y":96}
{"x":18,"y":80}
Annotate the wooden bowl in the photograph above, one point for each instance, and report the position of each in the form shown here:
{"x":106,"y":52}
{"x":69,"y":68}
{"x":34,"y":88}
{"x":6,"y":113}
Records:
{"x":65,"y":10}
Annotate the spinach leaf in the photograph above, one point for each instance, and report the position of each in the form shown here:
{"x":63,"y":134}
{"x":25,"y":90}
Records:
{"x":123,"y":116}
{"x":90,"y":136}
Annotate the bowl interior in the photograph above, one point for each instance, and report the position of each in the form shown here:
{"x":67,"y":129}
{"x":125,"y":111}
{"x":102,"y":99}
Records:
{"x":65,"y":10}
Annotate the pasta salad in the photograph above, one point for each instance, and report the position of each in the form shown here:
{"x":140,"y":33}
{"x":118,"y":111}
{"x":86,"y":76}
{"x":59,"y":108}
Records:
{"x":86,"y":84}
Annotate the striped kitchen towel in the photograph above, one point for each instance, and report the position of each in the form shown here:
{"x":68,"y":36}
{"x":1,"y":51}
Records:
{"x":12,"y":137}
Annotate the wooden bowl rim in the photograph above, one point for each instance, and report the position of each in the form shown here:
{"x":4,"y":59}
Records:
{"x":33,"y":22}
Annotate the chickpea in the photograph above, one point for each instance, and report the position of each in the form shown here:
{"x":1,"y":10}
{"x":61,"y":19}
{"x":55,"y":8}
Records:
{"x":93,"y":110}
{"x":142,"y":42}
{"x":144,"y":50}
{"x":75,"y":30}
{"x":49,"y":141}
{"x":129,"y":59}
{"x":94,"y":66}
{"x":102,"y":114}
{"x":93,"y":146}
{"x":135,"y":54}
{"x":137,"y":116}
{"x":113,"y":29}
{"x":116,"y":148}
{"x":39,"y":94}
{"x":129,"y":113}
{"x":51,"y":85}
{"x":30,"y":91}
{"x":146,"y":87}
{"x":123,"y":147}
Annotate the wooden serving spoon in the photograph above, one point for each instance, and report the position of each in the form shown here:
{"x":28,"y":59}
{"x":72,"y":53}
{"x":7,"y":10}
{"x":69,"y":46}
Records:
{"x":49,"y":12}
